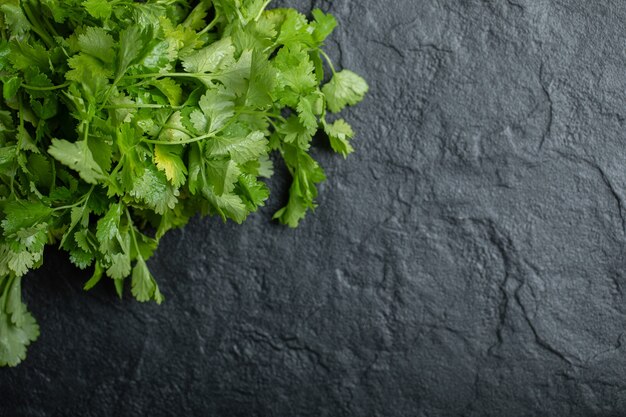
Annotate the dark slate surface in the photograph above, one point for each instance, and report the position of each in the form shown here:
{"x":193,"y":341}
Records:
{"x":467,"y":261}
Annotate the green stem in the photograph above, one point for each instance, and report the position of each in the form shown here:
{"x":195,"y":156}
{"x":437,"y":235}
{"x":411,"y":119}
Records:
{"x":86,"y":132}
{"x":2,"y":30}
{"x":143,"y":106}
{"x":180,"y":142}
{"x":117,"y":168}
{"x":54,"y":176}
{"x":131,"y":224}
{"x":51,"y":28}
{"x":55,"y":87}
{"x":262,"y":113}
{"x":258,"y":16}
{"x":108,"y":93}
{"x":8,"y":283}
{"x":210,"y":25}
{"x":36,"y":25}
{"x":165,"y":74}
{"x":330,"y":62}
{"x":84,"y":199}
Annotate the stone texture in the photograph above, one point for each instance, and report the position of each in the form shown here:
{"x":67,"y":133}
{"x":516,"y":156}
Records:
{"x":466,"y":261}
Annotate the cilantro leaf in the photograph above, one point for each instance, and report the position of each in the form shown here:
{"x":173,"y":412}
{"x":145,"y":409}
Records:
{"x":17,"y":326}
{"x":77,"y":156}
{"x":100,"y":9}
{"x":345,"y":89}
{"x":240,"y":149}
{"x":97,"y":43}
{"x":169,"y":160}
{"x":144,"y":287}
{"x":211,"y":58}
{"x":340,"y":134}
{"x":123,"y":119}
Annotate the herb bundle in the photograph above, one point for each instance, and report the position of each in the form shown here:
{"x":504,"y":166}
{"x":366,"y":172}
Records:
{"x":120,"y":117}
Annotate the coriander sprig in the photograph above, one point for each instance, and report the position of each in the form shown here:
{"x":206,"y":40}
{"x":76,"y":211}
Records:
{"x":120,"y":120}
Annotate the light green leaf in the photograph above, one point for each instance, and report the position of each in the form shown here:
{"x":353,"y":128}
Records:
{"x":78,"y":157}
{"x":169,"y":160}
{"x":97,"y":43}
{"x":345,"y":89}
{"x":340,"y":134}
{"x":100,"y":9}
{"x":239,"y":149}
{"x":155,"y":191}
{"x":144,"y":287}
{"x":211,"y":58}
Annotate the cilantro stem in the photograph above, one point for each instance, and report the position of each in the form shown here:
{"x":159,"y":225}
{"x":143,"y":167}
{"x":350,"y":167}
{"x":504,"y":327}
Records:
{"x":166,"y":74}
{"x":330,"y":62}
{"x":83,"y":199}
{"x":2,"y":31}
{"x":180,"y":142}
{"x":8,"y":284}
{"x":35,"y":88}
{"x":86,"y":131}
{"x":131,"y":224}
{"x":36,"y":25}
{"x":118,"y":167}
{"x":108,"y":93}
{"x":50,"y":27}
{"x":53,"y":185}
{"x":258,"y":16}
{"x":262,"y":113}
{"x":211,"y":25}
{"x":143,"y":106}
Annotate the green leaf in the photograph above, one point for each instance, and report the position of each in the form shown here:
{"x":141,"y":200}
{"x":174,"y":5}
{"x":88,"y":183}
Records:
{"x":295,"y":29}
{"x":108,"y":226}
{"x":85,"y":68}
{"x":303,"y":191}
{"x":100,"y":9}
{"x":340,"y":134}
{"x":323,"y":26}
{"x":223,"y":175}
{"x":308,"y":109}
{"x":253,"y":192}
{"x":20,"y":262}
{"x":17,"y":326}
{"x":15,"y":18}
{"x":124,"y":119}
{"x":120,"y":266}
{"x":82,"y":259}
{"x":10,"y":87}
{"x":95,"y":278}
{"x":345,"y":89}
{"x":174,"y":130}
{"x":132,"y":46}
{"x":228,"y":206}
{"x":8,"y":154}
{"x":240,"y":149}
{"x":155,"y":191}
{"x":78,"y":157}
{"x":295,"y":74}
{"x":23,"y":215}
{"x":211,"y":58}
{"x":97,"y":43}
{"x":218,"y":107}
{"x":169,"y":160}
{"x":144,"y":287}
{"x":235,"y":77}
{"x":25,"y":140}
{"x":171,"y":89}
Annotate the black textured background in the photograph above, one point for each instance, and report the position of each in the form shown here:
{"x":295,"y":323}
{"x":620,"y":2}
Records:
{"x":468,"y":260}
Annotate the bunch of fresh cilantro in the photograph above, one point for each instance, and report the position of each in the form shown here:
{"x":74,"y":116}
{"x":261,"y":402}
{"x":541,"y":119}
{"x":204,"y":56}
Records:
{"x":121,"y":119}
